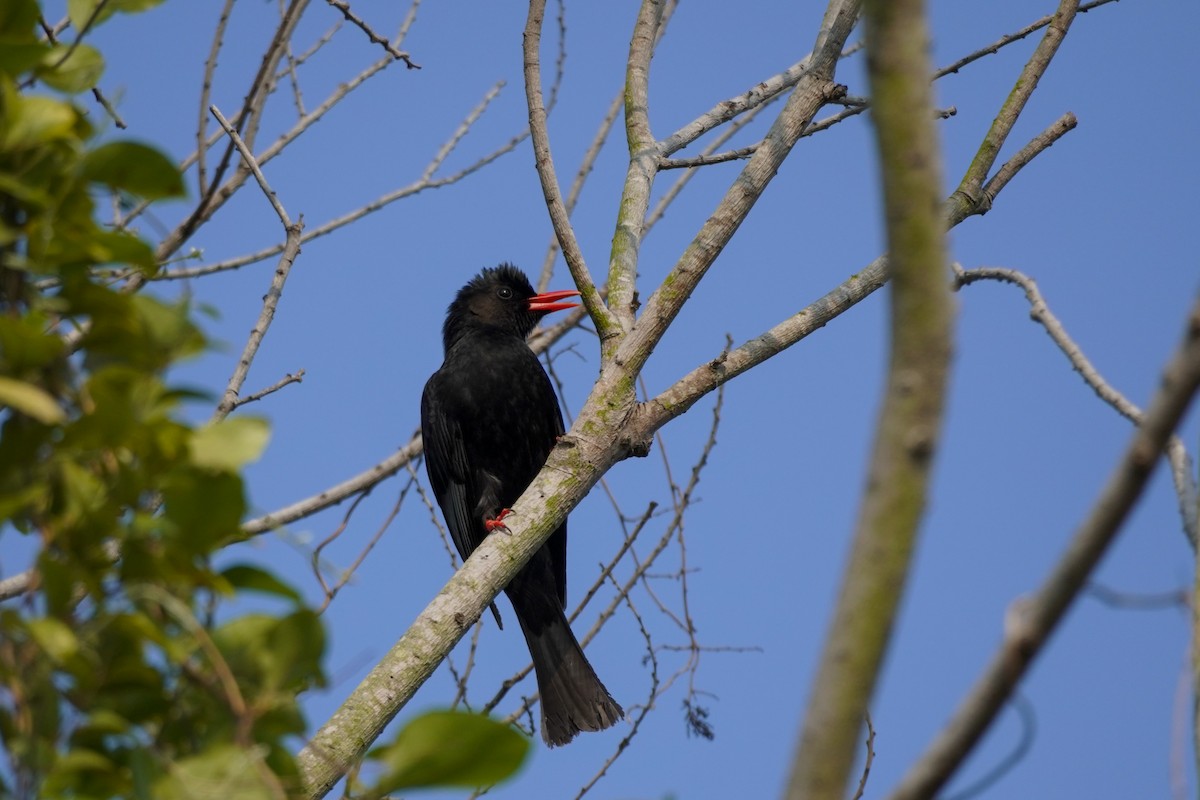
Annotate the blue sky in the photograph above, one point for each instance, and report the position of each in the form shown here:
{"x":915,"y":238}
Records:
{"x":1104,"y":221}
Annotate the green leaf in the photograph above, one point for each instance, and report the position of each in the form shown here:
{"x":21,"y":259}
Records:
{"x":71,"y":68}
{"x":134,"y":6}
{"x":18,"y":55}
{"x":81,"y":12}
{"x":35,"y":121}
{"x":224,"y":770}
{"x":17,"y":18}
{"x":54,"y":637}
{"x":135,"y":168}
{"x":229,"y":443}
{"x":31,"y":400}
{"x":450,"y":748}
{"x":297,"y":644}
{"x":248,"y":577}
{"x":122,"y":247}
{"x":204,"y":507}
{"x":280,"y":655}
{"x":167,"y":327}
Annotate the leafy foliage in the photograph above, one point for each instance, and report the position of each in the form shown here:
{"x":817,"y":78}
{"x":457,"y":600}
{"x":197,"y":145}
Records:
{"x":450,"y":748}
{"x":123,"y":671}
{"x":119,"y":673}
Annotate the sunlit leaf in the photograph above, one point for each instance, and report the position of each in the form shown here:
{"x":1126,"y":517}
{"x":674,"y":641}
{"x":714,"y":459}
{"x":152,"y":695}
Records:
{"x":55,"y":638}
{"x":205,"y":506}
{"x":34,"y":120}
{"x":31,"y":400}
{"x":248,"y":577}
{"x":221,"y":771}
{"x":450,"y":748}
{"x":122,"y":247}
{"x":230,"y":443}
{"x":135,"y":168}
{"x":71,"y":68}
{"x":134,"y":6}
{"x":83,"y":12}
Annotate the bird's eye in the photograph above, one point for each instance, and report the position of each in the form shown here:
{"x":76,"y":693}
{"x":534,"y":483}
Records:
{"x":504,"y":293}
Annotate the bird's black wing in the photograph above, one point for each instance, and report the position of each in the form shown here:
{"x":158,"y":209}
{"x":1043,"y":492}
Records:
{"x":446,"y":465}
{"x":448,"y":469}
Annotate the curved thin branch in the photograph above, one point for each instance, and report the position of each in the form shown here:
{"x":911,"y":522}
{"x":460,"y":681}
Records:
{"x":546,"y":174}
{"x":1177,"y":455}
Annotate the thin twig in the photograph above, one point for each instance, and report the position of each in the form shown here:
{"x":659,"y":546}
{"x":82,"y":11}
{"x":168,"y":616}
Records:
{"x":585,"y":168}
{"x":1059,"y":128}
{"x":1138,"y":602}
{"x":461,"y":680}
{"x":286,"y":380}
{"x":724,"y":111}
{"x":1004,"y":41}
{"x":375,"y":38}
{"x":252,"y":164}
{"x":271,"y":298}
{"x":421,"y":185}
{"x":346,"y":574}
{"x":315,"y":562}
{"x":1028,"y":722}
{"x":636,"y":723}
{"x":545,"y":168}
{"x":293,"y":77}
{"x":210,"y":69}
{"x":700,"y":161}
{"x":870,"y":757}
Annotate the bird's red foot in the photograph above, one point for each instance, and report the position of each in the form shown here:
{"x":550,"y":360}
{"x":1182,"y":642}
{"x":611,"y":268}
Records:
{"x":497,"y":524}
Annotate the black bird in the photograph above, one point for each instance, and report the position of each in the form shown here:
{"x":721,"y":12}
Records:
{"x":489,"y":418}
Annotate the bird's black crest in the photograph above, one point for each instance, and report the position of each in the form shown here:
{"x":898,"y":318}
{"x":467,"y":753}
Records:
{"x":465,"y":310}
{"x":505,"y":273}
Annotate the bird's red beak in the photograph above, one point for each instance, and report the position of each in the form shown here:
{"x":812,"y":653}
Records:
{"x":545,"y":302}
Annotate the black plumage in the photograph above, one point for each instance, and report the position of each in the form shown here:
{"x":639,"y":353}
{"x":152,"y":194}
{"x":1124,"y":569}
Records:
{"x":489,"y":418}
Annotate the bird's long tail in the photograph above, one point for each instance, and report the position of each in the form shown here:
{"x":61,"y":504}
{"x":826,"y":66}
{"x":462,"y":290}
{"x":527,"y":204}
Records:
{"x":573,"y":698}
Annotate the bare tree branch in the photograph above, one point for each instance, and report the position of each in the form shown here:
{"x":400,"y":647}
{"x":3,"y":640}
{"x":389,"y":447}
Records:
{"x":1008,"y":39}
{"x":559,"y":216}
{"x":210,"y":69}
{"x":968,"y":193}
{"x":910,"y":421}
{"x":271,"y":299}
{"x":286,"y":380}
{"x":375,"y":38}
{"x":425,"y":182}
{"x":1032,"y":619}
